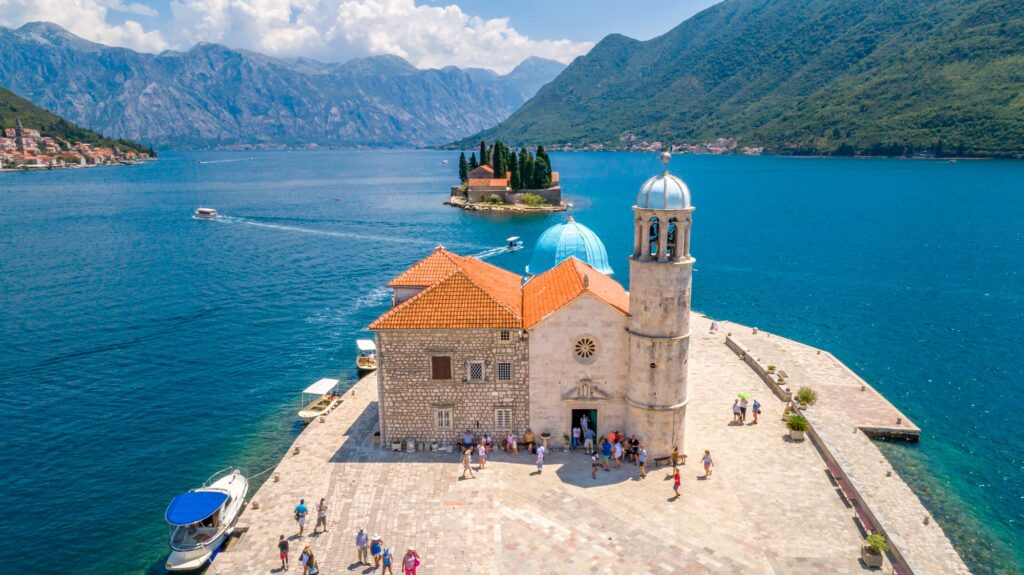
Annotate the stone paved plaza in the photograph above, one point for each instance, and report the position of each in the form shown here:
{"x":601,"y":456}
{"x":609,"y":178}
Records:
{"x":768,"y":508}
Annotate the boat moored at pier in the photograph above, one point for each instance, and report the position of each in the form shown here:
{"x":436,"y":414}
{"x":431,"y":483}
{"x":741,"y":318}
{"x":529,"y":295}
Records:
{"x":201,"y":520}
{"x":326,"y":396}
{"x":367,"y":358}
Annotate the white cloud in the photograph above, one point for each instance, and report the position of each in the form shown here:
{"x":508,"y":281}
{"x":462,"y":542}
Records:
{"x":331,"y":30}
{"x":85,"y":18}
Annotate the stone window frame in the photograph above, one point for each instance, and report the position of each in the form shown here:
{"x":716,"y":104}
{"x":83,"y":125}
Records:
{"x":431,"y":366}
{"x":578,"y":346}
{"x":443,"y":415}
{"x":469,"y":370}
{"x":505,"y":335}
{"x":508,"y":376}
{"x":503,"y":423}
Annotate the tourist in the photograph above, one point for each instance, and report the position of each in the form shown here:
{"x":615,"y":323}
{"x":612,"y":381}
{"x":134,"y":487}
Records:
{"x":714,"y":327}
{"x":611,"y":436}
{"x":321,"y":515}
{"x":487,"y":442}
{"x":300,"y":515}
{"x":467,"y":463}
{"x":411,"y":561}
{"x":735,"y":410}
{"x":585,"y":423}
{"x":634,"y":449}
{"x":540,"y":459}
{"x":528,"y":439}
{"x":743,"y":409}
{"x":513,"y":444}
{"x":641,"y":458}
{"x":576,"y":433}
{"x":386,"y":559}
{"x":618,"y":454}
{"x":481,"y":454}
{"x":606,"y":453}
{"x":308,"y":561}
{"x":588,"y":441}
{"x":708,"y":463}
{"x":362,"y":546}
{"x":676,"y":481}
{"x":595,"y":463}
{"x":757,"y":411}
{"x":282,"y":551}
{"x":467,"y":440}
{"x":376,"y":548}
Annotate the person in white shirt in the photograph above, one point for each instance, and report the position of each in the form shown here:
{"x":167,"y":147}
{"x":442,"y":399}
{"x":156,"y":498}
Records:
{"x":540,"y":459}
{"x":575,"y":437}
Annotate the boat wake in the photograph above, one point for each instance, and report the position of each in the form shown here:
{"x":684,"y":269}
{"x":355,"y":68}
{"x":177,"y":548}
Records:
{"x":313,"y":231}
{"x":490,"y":253}
{"x":204,"y":162}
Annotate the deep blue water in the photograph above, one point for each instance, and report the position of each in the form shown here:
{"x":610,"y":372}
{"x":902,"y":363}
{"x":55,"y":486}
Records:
{"x":140,"y":350}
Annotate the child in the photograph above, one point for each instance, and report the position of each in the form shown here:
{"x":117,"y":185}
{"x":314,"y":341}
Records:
{"x":595,"y":464}
{"x":708,"y":463}
{"x":641,"y":458}
{"x":282,"y":549}
{"x":386,"y":558}
{"x":757,"y":411}
{"x":676,"y":480}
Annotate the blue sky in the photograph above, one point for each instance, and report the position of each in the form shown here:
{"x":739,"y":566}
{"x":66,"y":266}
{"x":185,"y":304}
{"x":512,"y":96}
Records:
{"x":428,"y":33}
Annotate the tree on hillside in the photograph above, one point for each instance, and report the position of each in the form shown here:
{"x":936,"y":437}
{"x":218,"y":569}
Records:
{"x":473,"y":164}
{"x":463,"y":168}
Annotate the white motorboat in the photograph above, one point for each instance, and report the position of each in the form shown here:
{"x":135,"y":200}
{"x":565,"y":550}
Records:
{"x":367,"y":358}
{"x":514,"y":243}
{"x":326,"y":397}
{"x":201,"y":520}
{"x":205,"y":214}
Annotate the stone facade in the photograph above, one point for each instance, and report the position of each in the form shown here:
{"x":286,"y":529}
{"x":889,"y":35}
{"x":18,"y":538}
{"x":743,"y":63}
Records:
{"x":410,"y":399}
{"x":560,"y":381}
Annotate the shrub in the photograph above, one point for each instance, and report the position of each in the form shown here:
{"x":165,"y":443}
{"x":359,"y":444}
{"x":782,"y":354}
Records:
{"x":494,"y":199}
{"x":533,"y":200}
{"x":877,"y":543}
{"x":771,"y":368}
{"x":806,"y":396}
{"x":797,"y":423}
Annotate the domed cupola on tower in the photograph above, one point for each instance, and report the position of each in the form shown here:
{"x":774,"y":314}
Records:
{"x":568,"y":239}
{"x":664,"y":191}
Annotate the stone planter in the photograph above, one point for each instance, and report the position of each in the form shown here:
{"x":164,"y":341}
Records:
{"x":544,"y":437}
{"x":870,"y":557}
{"x":796,"y":435}
{"x":396,"y":446}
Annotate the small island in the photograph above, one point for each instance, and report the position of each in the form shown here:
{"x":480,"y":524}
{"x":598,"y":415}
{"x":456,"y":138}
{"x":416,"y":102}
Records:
{"x":503,"y":180}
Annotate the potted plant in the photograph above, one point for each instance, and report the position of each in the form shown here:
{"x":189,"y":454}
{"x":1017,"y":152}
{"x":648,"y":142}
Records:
{"x":544,"y":437}
{"x":873,"y":550}
{"x":797,"y":425}
{"x":565,"y":438}
{"x":806,"y":396}
{"x":771,"y":369}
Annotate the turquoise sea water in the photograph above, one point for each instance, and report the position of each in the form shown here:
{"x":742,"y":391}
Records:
{"x":141,"y":350}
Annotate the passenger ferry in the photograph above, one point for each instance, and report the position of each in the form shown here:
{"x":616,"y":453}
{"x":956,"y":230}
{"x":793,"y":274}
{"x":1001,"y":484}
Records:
{"x":205,"y":214}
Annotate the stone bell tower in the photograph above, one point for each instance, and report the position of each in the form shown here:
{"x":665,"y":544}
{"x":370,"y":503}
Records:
{"x":660,"y":273}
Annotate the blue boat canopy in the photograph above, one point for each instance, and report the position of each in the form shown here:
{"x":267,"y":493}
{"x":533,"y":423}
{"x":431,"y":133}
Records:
{"x":194,"y":506}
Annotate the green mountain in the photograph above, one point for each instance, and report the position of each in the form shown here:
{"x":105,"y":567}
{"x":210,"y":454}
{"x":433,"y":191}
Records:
{"x":799,"y":75}
{"x":13,"y":106}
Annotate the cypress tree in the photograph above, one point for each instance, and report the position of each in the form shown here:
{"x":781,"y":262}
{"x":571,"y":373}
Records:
{"x":543,"y":154}
{"x":463,"y":168}
{"x":516,"y":182}
{"x":528,"y":175}
{"x":499,"y":160}
{"x":541,"y":174}
{"x":485,"y":156}
{"x":523,"y":175}
{"x":473,"y":164}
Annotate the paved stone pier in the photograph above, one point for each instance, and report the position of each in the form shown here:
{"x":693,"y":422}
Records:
{"x":769,"y":507}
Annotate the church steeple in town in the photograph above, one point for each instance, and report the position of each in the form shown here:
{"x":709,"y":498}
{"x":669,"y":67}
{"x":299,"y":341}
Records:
{"x":19,"y":134}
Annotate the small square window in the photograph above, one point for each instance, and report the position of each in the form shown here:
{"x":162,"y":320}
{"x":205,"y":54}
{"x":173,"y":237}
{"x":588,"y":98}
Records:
{"x":504,"y":371}
{"x":476,"y":371}
{"x":440,"y":367}
{"x":444,"y":419}
{"x":503,"y":419}
{"x":506,"y":335}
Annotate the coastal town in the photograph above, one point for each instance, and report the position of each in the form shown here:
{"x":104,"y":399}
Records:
{"x":24,"y":148}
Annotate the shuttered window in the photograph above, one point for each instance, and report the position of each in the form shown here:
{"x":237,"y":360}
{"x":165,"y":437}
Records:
{"x":503,"y":419}
{"x":444,"y":419}
{"x":440,"y":367}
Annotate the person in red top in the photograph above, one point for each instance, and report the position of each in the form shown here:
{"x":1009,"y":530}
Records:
{"x":676,"y":480}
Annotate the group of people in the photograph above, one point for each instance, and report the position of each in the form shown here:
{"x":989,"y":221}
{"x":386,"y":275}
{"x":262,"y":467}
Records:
{"x":306,"y":558}
{"x":616,"y":448}
{"x":739,"y":411}
{"x":367,"y":547}
{"x":484,"y":445}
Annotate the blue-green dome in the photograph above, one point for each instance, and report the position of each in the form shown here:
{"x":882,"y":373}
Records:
{"x":562,"y":241}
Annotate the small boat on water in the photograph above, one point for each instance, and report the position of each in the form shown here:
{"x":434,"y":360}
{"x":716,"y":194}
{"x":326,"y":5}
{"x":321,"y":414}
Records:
{"x":367,"y":358}
{"x":514,"y":243}
{"x":201,"y":520}
{"x":205,"y":214}
{"x":444,"y":162}
{"x":325,"y":398}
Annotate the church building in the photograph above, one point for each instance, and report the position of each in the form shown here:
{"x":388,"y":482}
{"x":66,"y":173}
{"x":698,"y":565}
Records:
{"x":468,"y":345}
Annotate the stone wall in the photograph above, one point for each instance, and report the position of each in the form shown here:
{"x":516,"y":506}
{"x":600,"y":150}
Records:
{"x":409,"y":398}
{"x":552,"y":196}
{"x":555,"y":370}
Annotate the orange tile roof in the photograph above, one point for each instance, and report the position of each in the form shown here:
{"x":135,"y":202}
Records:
{"x":557,"y":287}
{"x":456,"y":302}
{"x":430,"y":270}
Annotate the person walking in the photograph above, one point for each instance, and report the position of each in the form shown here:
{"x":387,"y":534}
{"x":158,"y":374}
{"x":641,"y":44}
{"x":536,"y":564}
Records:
{"x":363,"y":547}
{"x":675,"y":455}
{"x":467,"y":439}
{"x":386,"y":560}
{"x":757,"y":410}
{"x":282,"y":552}
{"x":606,"y":453}
{"x":576,"y":433}
{"x":585,"y":422}
{"x":735,"y":410}
{"x":641,"y":458}
{"x":743,"y":409}
{"x":634,"y":449}
{"x":595,"y":464}
{"x":588,"y":441}
{"x":540,"y":459}
{"x":411,"y":561}
{"x":467,"y":463}
{"x":376,"y":548}
{"x":618,"y":454}
{"x":308,"y":561}
{"x":708,"y":463}
{"x":481,"y":454}
{"x":677,"y":480}
{"x":300,"y":515}
{"x":321,"y":515}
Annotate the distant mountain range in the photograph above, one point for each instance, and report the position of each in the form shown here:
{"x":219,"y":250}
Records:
{"x":212,"y":95}
{"x":13,"y":107}
{"x":845,"y":76}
